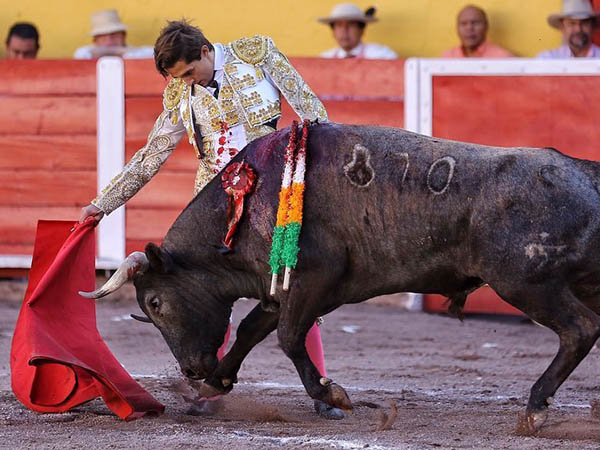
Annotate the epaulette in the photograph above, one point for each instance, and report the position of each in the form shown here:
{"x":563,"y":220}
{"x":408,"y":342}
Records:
{"x":251,"y":50}
{"x":173,"y":93}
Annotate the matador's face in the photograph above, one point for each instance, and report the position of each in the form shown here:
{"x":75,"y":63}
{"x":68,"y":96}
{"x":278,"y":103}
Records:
{"x":200,"y":71}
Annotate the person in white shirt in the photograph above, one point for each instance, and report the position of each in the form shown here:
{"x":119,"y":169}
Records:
{"x":348,"y":24}
{"x":577,"y":22}
{"x":109,"y":39}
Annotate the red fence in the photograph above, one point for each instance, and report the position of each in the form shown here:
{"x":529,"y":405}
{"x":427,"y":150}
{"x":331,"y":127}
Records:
{"x":47,"y":146}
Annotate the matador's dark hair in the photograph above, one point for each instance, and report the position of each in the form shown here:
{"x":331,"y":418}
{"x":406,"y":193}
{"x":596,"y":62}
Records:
{"x":178,"y":40}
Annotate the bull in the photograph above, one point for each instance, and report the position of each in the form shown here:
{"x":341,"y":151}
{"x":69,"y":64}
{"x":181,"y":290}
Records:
{"x":385,"y":211}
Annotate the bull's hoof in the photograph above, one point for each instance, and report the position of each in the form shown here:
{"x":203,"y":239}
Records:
{"x":203,"y":407}
{"x":328,"y":412}
{"x":535,"y":420}
{"x":337,"y":396}
{"x":531,"y":422}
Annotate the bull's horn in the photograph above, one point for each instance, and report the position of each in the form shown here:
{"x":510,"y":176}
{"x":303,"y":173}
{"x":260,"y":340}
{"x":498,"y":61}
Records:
{"x":135,"y":262}
{"x":140,"y":318}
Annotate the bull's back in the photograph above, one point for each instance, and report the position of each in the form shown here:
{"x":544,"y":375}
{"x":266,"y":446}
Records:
{"x":417,"y":204}
{"x":409,"y":209}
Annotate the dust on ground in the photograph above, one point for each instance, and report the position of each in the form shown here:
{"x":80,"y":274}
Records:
{"x":417,"y":380}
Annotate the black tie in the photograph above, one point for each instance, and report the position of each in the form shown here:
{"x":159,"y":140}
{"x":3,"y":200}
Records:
{"x":213,"y":84}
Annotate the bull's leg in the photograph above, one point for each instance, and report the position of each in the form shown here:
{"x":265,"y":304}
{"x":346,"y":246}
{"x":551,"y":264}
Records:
{"x":296,"y":318}
{"x":255,"y":327}
{"x":577,"y":327}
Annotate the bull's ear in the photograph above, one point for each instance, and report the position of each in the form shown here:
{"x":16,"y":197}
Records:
{"x":158,"y":258}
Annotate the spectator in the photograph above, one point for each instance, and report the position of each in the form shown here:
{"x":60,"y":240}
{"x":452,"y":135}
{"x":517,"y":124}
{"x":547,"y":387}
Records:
{"x":22,"y":41}
{"x":348,"y":24}
{"x":472,"y":27}
{"x":576,"y":22}
{"x":109,"y":36}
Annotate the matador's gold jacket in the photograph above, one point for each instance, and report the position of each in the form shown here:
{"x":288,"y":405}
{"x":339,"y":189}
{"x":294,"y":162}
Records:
{"x":251,"y":73}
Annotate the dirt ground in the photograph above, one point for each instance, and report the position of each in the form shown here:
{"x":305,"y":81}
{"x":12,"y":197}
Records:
{"x":455,"y":385}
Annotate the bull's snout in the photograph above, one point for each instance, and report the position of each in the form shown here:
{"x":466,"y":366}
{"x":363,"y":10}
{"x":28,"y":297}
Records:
{"x":199,"y":368}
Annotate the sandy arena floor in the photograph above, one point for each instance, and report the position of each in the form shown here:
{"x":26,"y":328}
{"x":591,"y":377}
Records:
{"x":455,"y":385}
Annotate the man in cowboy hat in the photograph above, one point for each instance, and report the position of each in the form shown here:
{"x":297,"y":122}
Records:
{"x":348,"y":24}
{"x":576,"y":22}
{"x":472,"y":27}
{"x":109,"y":33}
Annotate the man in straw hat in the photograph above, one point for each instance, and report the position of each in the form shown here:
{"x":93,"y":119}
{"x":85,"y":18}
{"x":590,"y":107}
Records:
{"x":576,"y":22}
{"x":348,"y":24}
{"x":221,"y":97}
{"x":109,"y":34}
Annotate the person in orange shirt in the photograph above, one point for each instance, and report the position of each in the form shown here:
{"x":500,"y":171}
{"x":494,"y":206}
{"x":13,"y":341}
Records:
{"x":472,"y":27}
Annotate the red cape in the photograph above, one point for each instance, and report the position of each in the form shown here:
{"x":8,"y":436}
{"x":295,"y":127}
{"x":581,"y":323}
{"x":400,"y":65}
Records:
{"x":58,"y":359}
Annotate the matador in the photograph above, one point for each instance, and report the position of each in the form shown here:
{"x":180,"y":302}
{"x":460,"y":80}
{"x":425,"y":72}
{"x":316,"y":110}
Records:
{"x":221,"y":97}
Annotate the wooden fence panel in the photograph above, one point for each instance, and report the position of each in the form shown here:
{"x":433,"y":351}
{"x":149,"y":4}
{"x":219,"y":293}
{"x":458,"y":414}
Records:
{"x":47,"y":146}
{"x":545,"y":111}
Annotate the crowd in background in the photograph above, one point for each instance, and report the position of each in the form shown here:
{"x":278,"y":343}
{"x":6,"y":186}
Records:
{"x":577,"y":21}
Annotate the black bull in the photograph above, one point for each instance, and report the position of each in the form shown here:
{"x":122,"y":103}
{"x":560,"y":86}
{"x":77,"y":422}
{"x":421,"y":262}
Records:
{"x":385,"y":211}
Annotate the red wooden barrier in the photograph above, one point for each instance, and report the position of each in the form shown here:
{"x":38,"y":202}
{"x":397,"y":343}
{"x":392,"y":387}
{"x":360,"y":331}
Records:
{"x":47,"y":145}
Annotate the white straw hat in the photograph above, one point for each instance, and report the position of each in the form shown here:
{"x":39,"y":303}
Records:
{"x":347,"y":11}
{"x":573,"y":9}
{"x":105,"y":22}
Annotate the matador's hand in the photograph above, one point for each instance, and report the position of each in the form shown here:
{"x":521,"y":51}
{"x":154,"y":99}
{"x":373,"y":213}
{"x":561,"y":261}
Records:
{"x":91,"y":210}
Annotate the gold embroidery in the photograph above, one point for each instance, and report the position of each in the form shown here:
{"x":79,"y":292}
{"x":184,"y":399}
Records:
{"x":260,"y":75}
{"x":254,"y":99}
{"x":203,"y":176}
{"x":230,"y":69}
{"x":245,"y":82}
{"x":226,"y":92}
{"x":143,"y":165}
{"x":259,"y":117}
{"x":206,"y":100}
{"x":251,"y":50}
{"x":173,"y":93}
{"x":227,"y":105}
{"x":253,"y":133}
{"x":290,"y":84}
{"x":295,"y":90}
{"x":232,"y":118}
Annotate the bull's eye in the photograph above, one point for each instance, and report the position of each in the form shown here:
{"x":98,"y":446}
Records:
{"x":155,"y":303}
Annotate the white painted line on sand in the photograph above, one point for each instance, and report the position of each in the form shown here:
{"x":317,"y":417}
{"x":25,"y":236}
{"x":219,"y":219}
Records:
{"x":307,"y":440}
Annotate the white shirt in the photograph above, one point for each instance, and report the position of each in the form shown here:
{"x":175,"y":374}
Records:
{"x":86,"y":52}
{"x":236,"y":135}
{"x":564,"y":52}
{"x":366,"y":51}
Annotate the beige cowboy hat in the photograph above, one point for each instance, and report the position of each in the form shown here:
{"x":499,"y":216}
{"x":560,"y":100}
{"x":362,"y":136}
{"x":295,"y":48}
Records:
{"x":348,"y":11}
{"x":106,"y":21}
{"x":573,"y":9}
